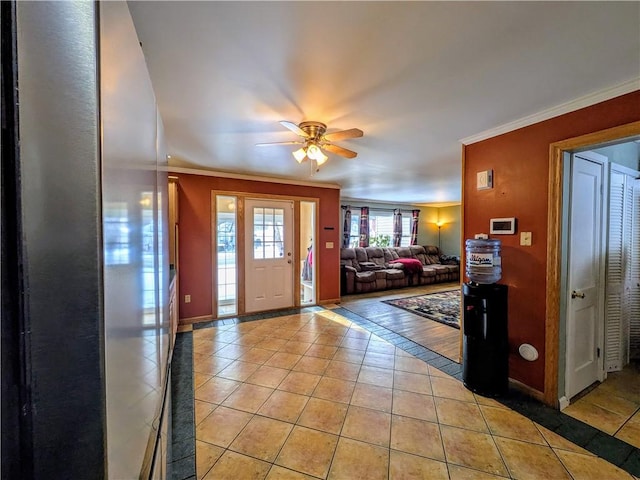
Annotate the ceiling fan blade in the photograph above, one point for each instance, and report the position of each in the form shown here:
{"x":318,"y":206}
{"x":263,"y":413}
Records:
{"x":343,"y":152}
{"x":294,"y":128}
{"x":277,"y":143}
{"x":343,"y":134}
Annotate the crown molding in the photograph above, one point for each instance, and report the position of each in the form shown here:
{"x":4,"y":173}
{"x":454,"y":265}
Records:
{"x":253,"y":178}
{"x":581,"y":102}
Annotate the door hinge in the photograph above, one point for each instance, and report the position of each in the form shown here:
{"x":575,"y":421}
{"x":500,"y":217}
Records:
{"x":598,"y":351}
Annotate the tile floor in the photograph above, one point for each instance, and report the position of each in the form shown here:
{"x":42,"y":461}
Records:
{"x":613,"y":406}
{"x":313,"y":395}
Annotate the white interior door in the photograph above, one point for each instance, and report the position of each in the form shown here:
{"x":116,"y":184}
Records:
{"x":585,"y":271}
{"x":268,"y":254}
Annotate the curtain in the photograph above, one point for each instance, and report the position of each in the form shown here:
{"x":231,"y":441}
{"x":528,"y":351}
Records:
{"x":397,"y":227}
{"x":364,"y":227}
{"x":346,"y":225}
{"x":414,"y":226}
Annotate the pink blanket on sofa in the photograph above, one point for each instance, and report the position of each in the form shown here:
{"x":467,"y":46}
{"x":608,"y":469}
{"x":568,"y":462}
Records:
{"x":411,"y":265}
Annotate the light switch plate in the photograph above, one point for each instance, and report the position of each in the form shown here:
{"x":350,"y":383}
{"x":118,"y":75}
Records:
{"x":328,"y":245}
{"x":525,"y":239}
{"x":485,"y":179}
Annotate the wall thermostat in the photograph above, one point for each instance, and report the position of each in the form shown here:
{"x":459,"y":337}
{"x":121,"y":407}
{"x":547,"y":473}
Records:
{"x":502,"y":226}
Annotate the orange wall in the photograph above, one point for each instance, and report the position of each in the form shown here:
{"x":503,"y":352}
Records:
{"x":520,"y":163}
{"x":195,"y":262}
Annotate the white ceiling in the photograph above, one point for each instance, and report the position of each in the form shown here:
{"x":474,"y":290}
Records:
{"x":416,"y":77}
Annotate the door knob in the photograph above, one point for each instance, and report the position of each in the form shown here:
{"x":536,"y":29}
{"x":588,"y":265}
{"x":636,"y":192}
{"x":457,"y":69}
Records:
{"x":575,"y":294}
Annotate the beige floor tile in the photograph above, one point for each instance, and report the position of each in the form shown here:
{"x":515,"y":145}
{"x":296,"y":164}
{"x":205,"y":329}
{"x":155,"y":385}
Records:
{"x":329,"y":339}
{"x":416,"y":436}
{"x":300,"y":382}
{"x":233,"y":466}
{"x":381,"y":360}
{"x":411,"y":364}
{"x":202,"y":410}
{"x":366,"y":425}
{"x":610,"y":401}
{"x":457,"y":472}
{"x":248,"y":339}
{"x":285,"y":406}
{"x":372,"y":396}
{"x":274,"y":344}
{"x":451,"y":388}
{"x":630,"y":431}
{"x":471,"y":449}
{"x":460,"y":414}
{"x":185,"y":328}
{"x":267,"y":376}
{"x":557,"y":442}
{"x":415,"y":405}
{"x":257,"y":355}
{"x":382,"y":377}
{"x":281,"y":473}
{"x":238,"y":370}
{"x":355,"y":343}
{"x":355,"y":460}
{"x":304,"y":336}
{"x":404,"y":466}
{"x":308,"y":451}
{"x":334,"y":389}
{"x":262,"y":438}
{"x":587,"y":467}
{"x":293,"y":346}
{"x":323,"y":415}
{"x":527,"y":461}
{"x":349,"y":355}
{"x":412,"y":382}
{"x":321,"y":351}
{"x":343,"y":370}
{"x":510,"y":424}
{"x":222,"y":426}
{"x":210,"y":365}
{"x":248,"y":398}
{"x":284,"y":333}
{"x":314,"y":365}
{"x":436,"y":372}
{"x":216,"y":390}
{"x":596,"y":416}
{"x":380,"y":345}
{"x":206,"y":456}
{"x":283,"y":360}
{"x":232,"y":351}
{"x":491,"y":402}
{"x":200,"y":379}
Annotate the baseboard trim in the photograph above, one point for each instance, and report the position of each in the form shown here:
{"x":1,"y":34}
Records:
{"x":564,"y":403}
{"x":527,"y":390}
{"x":190,"y":320}
{"x":329,"y":301}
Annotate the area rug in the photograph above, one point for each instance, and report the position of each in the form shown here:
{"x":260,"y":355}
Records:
{"x":443,"y":307}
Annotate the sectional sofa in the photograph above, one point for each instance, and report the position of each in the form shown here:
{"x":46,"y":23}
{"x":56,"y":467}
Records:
{"x":371,"y":269}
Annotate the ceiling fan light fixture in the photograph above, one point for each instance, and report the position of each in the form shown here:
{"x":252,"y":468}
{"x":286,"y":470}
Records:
{"x":321,"y":157}
{"x":299,"y":155}
{"x":314,"y":152}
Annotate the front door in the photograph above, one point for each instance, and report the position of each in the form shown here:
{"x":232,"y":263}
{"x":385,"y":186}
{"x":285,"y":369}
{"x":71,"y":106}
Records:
{"x":268,"y":254}
{"x":584,"y":315}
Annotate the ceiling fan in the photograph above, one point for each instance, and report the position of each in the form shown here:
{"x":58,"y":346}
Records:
{"x":314,"y":140}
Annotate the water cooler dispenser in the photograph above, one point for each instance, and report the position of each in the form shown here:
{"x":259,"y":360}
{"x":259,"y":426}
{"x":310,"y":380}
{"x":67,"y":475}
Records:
{"x":485,"y":347}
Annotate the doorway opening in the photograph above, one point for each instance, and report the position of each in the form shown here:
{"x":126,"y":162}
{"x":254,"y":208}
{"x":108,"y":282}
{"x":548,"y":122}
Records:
{"x":558,"y":288}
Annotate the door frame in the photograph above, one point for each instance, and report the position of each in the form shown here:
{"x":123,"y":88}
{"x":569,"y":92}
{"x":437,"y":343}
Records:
{"x":555,"y":289}
{"x":241,"y":195}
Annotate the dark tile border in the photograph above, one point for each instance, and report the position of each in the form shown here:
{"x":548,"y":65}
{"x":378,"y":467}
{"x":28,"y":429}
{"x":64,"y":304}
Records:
{"x":613,"y":450}
{"x":253,"y":317}
{"x":182,"y":453}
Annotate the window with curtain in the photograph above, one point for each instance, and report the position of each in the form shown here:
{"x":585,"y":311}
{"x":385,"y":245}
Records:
{"x":380,"y":223}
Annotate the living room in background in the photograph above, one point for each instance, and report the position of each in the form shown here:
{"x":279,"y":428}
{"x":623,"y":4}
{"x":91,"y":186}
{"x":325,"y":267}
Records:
{"x":308,"y":259}
{"x":226,"y":255}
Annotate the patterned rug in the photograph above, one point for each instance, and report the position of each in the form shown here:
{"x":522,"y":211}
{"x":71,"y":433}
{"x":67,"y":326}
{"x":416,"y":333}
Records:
{"x":443,"y":307}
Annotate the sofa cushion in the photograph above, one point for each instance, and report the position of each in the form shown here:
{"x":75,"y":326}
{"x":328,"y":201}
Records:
{"x":366,"y":277}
